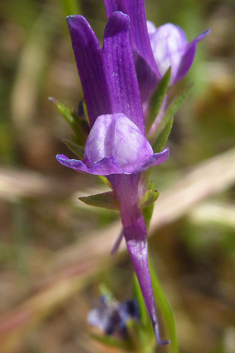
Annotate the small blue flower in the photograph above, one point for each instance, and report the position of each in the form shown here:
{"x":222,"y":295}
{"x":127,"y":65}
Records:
{"x":111,"y":316}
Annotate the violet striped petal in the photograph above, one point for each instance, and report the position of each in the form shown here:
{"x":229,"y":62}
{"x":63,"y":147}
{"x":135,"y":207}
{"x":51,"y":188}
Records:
{"x":106,"y":166}
{"x":139,"y":33}
{"x":146,"y":69}
{"x":88,"y":56}
{"x":120,"y":69}
{"x":114,"y":135}
{"x":116,"y":5}
{"x":155,"y":159}
{"x":188,"y":57}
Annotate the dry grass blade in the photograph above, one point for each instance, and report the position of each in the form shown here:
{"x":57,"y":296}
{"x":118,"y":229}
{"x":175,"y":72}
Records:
{"x":18,"y":183}
{"x":210,"y":177}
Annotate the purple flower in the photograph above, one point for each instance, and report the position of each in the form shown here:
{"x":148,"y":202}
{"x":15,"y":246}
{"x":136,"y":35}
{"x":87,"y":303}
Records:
{"x":116,"y":146}
{"x":155,"y":49}
{"x":171,"y":49}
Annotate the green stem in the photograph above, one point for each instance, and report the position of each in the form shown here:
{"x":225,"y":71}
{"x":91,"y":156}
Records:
{"x":165,"y":310}
{"x":160,"y":298}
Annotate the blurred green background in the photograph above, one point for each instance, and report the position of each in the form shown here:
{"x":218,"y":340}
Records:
{"x":54,"y":251}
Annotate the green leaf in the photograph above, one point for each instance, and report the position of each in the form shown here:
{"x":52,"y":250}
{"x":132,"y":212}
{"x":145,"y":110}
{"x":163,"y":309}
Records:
{"x":147,"y":214}
{"x":144,"y":328}
{"x":77,"y":124}
{"x":174,"y":107}
{"x":157,"y":99}
{"x":161,"y":140}
{"x":165,"y":310}
{"x":147,"y":204}
{"x":85,"y":108}
{"x":104,"y":180}
{"x":137,"y":293}
{"x":104,"y":200}
{"x":150,"y":197}
{"x":77,"y":150}
{"x":111,"y":341}
{"x":106,"y":292}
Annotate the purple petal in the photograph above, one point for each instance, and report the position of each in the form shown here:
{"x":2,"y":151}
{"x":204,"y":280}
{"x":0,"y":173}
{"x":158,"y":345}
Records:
{"x":147,"y":71}
{"x":188,"y":57}
{"x":146,"y":68}
{"x":135,"y":233}
{"x":117,"y":136}
{"x":106,"y":166}
{"x":147,"y":79}
{"x":120,"y":69}
{"x":170,"y":49}
{"x":151,"y":28}
{"x":168,"y":44}
{"x":72,"y":163}
{"x":135,"y":9}
{"x":88,"y":56}
{"x":155,"y":159}
{"x":116,"y":5}
{"x":117,"y":243}
{"x":139,"y":33}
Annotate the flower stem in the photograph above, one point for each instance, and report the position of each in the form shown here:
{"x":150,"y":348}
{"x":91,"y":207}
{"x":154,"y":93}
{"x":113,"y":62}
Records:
{"x":165,"y":310}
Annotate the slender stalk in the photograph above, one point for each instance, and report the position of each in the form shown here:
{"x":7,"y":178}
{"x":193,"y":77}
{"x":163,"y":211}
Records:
{"x":160,"y":297}
{"x":165,"y":310}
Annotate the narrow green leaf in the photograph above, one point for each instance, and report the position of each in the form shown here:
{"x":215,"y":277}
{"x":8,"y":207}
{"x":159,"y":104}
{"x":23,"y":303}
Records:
{"x":144,"y":316}
{"x":149,"y":197}
{"x":146,"y":336}
{"x":69,"y":115}
{"x":161,"y":140}
{"x":77,"y":150}
{"x":141,"y":338}
{"x":104,"y":200}
{"x":165,"y":310}
{"x":157,"y":99}
{"x":174,"y":107}
{"x":73,"y":120}
{"x":85,"y":109}
{"x":111,"y":341}
{"x":104,"y":180}
{"x":147,"y":204}
{"x":147,"y":214}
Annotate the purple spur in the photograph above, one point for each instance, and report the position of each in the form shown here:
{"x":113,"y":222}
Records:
{"x":116,"y":146}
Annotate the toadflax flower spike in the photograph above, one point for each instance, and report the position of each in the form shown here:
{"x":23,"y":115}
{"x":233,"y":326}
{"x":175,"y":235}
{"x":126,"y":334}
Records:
{"x":116,"y":146}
